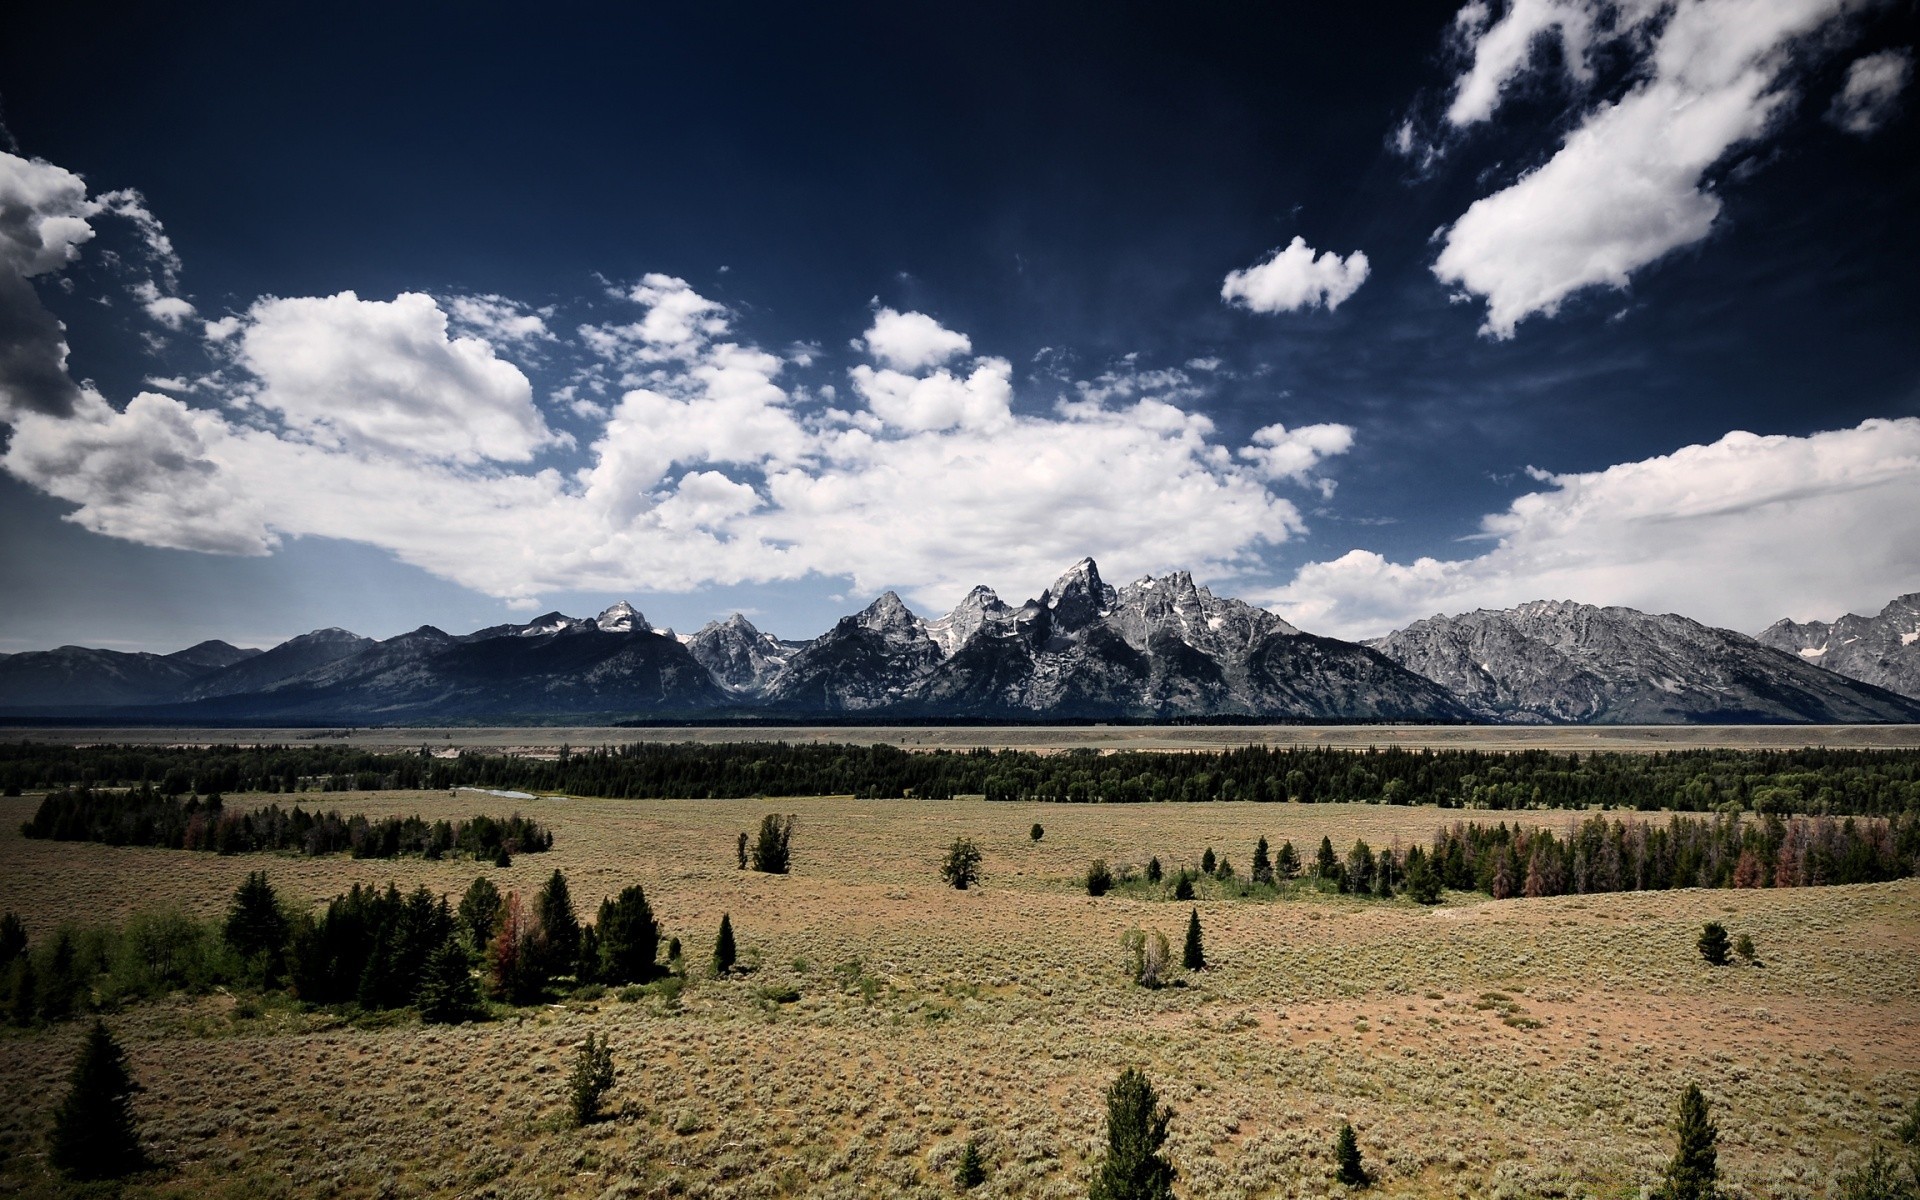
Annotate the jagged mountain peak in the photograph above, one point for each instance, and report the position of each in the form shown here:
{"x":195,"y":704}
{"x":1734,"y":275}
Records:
{"x":1883,"y":649}
{"x":1079,"y":596}
{"x":887,"y":614}
{"x":981,"y":608}
{"x":621,"y":617}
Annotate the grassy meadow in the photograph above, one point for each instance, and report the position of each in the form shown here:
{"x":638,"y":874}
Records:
{"x":1501,"y":1049}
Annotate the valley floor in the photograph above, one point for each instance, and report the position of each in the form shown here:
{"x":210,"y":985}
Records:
{"x":1484,"y":1049}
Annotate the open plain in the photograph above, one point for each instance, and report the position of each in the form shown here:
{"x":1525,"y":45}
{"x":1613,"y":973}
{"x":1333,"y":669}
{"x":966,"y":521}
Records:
{"x":1527,"y":1047}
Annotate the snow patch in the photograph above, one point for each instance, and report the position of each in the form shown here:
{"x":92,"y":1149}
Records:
{"x":1908,"y":639}
{"x":1821,"y":652}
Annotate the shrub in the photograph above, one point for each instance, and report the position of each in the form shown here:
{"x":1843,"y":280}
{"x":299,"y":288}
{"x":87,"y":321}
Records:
{"x":592,"y":1076}
{"x":1694,"y":1171}
{"x":1148,"y":957}
{"x":1099,"y":878}
{"x":724,"y":954}
{"x":480,"y":912}
{"x":1713,"y":943}
{"x":161,"y":952}
{"x":1347,"y":1167}
{"x":1134,"y":1168}
{"x":1743,"y":946}
{"x":629,"y":937}
{"x":1036,"y":833}
{"x":1194,"y":957}
{"x":93,"y":1135}
{"x":972,"y":1172}
{"x":962,"y":868}
{"x":447,"y":993}
{"x":771,"y":851}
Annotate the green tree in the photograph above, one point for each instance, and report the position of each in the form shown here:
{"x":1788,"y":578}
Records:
{"x":629,"y":937}
{"x":1099,"y":878}
{"x":13,"y":940}
{"x":480,"y":912}
{"x":1326,"y":863}
{"x":93,"y":1133}
{"x":1154,"y":871}
{"x":1743,"y":946}
{"x":773,"y":849}
{"x":1694,"y":1171}
{"x":1183,"y":887}
{"x":1286,"y":864}
{"x":25,"y":1001}
{"x":724,"y":953}
{"x":1134,"y":1168}
{"x":592,"y":1077}
{"x":1208,"y":863}
{"x":1036,"y":833}
{"x":740,"y":850}
{"x":962,"y":868}
{"x":1262,"y":864}
{"x":972,"y":1172}
{"x":61,"y":987}
{"x":447,"y":992}
{"x":1713,"y":943}
{"x":553,"y":908}
{"x":1194,"y":957}
{"x":1347,"y":1167}
{"x":256,"y":927}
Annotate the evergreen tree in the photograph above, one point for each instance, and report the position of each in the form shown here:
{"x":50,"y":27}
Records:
{"x":61,"y":987}
{"x":962,"y":868}
{"x":93,"y":1134}
{"x":553,"y":908}
{"x":587,"y":968}
{"x":13,"y":940}
{"x":25,"y":1001}
{"x":629,"y":937}
{"x":740,"y":850}
{"x":1099,"y":878}
{"x":1743,"y":946}
{"x":972,"y":1172}
{"x":772,"y":850}
{"x":1694,"y":1171}
{"x":1360,"y":866}
{"x":1423,"y":882}
{"x":1262,"y":865}
{"x":1713,"y":943}
{"x":447,"y":992}
{"x":1286,"y":864}
{"x":257,"y":929}
{"x":480,"y":912}
{"x":1347,"y":1167}
{"x":723,"y":948}
{"x":1134,"y":1168}
{"x":1208,"y":863}
{"x":1194,"y":957}
{"x":1036,"y":833}
{"x":1154,"y":872}
{"x":1327,"y":866}
{"x":1183,"y":887}
{"x":592,"y":1076}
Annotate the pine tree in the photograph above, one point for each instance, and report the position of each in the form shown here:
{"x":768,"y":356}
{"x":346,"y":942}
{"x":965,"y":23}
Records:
{"x":740,"y":850}
{"x":447,"y":992}
{"x":25,"y":1001}
{"x":1347,"y":1167}
{"x":1713,"y":943}
{"x":1208,"y":863}
{"x":629,"y":937}
{"x":962,"y":868}
{"x":1694,"y":1171}
{"x":1099,"y":878}
{"x":1194,"y":957}
{"x":1262,"y":865}
{"x":1327,"y":866}
{"x":1036,"y":833}
{"x":1154,"y":871}
{"x":972,"y":1172}
{"x":1134,"y":1168}
{"x":480,"y":912}
{"x":586,"y":968}
{"x":1183,"y":887}
{"x":592,"y":1076}
{"x":772,"y":850}
{"x":61,"y":987}
{"x":93,"y":1134}
{"x":13,"y":940}
{"x":553,"y":907}
{"x":1286,"y":864}
{"x":256,"y":928}
{"x":723,"y":948}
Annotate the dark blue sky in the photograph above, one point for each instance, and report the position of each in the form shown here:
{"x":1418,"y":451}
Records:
{"x":1068,"y":186}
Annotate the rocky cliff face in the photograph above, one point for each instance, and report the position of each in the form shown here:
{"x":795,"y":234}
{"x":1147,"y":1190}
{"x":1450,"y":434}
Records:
{"x":1557,"y":661}
{"x":1883,"y":650}
{"x":740,"y":657}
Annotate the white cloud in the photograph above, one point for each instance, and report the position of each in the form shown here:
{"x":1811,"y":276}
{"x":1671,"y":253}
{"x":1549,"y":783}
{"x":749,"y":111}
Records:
{"x":43,"y":224}
{"x":1737,"y":533}
{"x":941,"y":400}
{"x":1627,"y":186}
{"x":383,"y":375}
{"x":1872,"y":91}
{"x":499,"y":320}
{"x":1502,"y":50}
{"x":171,"y":311}
{"x":912,"y":341}
{"x":1292,"y":454}
{"x":1294,"y":278}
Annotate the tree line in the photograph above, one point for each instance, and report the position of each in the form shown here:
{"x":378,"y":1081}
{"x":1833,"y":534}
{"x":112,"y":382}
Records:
{"x":144,"y":816}
{"x":1805,"y":781}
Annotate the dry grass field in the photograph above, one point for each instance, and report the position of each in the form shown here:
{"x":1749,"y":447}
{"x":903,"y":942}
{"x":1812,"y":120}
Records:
{"x":1482,"y":1049}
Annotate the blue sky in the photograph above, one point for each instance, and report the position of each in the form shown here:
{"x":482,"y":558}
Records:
{"x":374,"y":319}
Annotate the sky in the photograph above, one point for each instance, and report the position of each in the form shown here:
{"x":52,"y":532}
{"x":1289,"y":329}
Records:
{"x":365,"y":316}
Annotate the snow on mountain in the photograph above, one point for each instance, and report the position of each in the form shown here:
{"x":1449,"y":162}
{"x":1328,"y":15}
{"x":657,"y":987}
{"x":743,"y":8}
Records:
{"x":621,"y":618}
{"x":740,"y":657}
{"x":1883,"y":649}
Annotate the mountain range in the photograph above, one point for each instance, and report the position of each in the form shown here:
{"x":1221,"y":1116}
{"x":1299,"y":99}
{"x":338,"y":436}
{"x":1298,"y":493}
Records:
{"x":1157,"y":648}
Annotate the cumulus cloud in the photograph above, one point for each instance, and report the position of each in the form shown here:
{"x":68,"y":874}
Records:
{"x":43,"y":224}
{"x":1294,"y":278}
{"x":1872,"y":90}
{"x":1628,"y":184}
{"x":1292,"y":454}
{"x":912,"y":341}
{"x":1703,"y":531}
{"x":499,"y":320}
{"x":942,"y":400}
{"x":384,"y":375}
{"x":171,"y":311}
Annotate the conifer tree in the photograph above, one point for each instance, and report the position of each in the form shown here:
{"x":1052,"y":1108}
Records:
{"x":256,"y":928}
{"x":1743,"y":946}
{"x":972,"y":1172}
{"x":1327,"y":866}
{"x":1036,"y":833}
{"x":1694,"y":1172}
{"x":25,"y":1001}
{"x":772,"y":850}
{"x":13,"y":940}
{"x":1713,"y":943}
{"x":480,"y":912}
{"x":1208,"y":863}
{"x":1286,"y":864}
{"x":1183,"y":887}
{"x":962,"y":868}
{"x":1099,"y":878}
{"x":1154,"y":870}
{"x":553,"y":907}
{"x":61,"y":987}
{"x":629,"y":937}
{"x":1262,"y":865}
{"x":723,"y":947}
{"x":447,"y":992}
{"x":1194,"y":957}
{"x":93,"y":1134}
{"x":1347,"y":1167}
{"x":586,"y":968}
{"x":1134,"y":1168}
{"x":740,"y":850}
{"x":592,"y":1076}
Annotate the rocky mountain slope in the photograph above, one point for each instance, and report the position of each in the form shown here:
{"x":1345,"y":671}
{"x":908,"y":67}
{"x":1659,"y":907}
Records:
{"x":1883,"y":650}
{"x":1557,"y":661}
{"x":77,"y":675}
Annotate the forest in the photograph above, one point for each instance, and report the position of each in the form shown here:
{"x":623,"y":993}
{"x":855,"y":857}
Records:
{"x":1812,"y":781}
